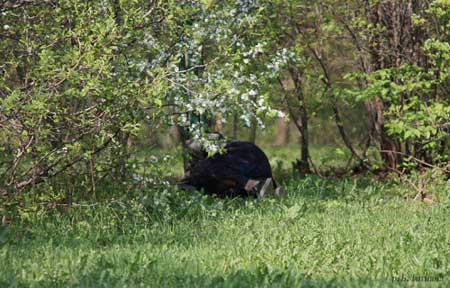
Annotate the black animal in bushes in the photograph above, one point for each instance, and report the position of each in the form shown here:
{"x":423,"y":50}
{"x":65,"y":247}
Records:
{"x":242,"y":170}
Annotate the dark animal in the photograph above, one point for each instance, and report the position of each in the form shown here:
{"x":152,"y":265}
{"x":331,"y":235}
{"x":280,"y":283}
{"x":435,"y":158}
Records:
{"x":226,"y":174}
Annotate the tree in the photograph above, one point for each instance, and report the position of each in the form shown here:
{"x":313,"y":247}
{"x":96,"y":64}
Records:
{"x":404,"y":77}
{"x":80,"y":77}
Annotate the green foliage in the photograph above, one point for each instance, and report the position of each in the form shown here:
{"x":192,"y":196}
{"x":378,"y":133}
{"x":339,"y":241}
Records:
{"x":412,"y":116}
{"x":68,"y":86}
{"x":410,"y":90}
{"x":326,"y":233}
{"x":81,"y":78}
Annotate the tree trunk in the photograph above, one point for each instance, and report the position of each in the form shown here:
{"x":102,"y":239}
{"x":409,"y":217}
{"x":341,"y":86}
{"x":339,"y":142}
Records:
{"x":254,"y":125}
{"x":319,"y":56}
{"x":395,"y":41}
{"x":253,"y":128}
{"x":282,"y":132}
{"x":218,"y":125}
{"x":235,"y":126}
{"x":302,"y":165}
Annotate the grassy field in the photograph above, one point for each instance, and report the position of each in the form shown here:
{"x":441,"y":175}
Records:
{"x":326,"y":233}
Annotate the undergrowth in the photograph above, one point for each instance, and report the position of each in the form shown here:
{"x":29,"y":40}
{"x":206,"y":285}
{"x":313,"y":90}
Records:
{"x":325,"y":233}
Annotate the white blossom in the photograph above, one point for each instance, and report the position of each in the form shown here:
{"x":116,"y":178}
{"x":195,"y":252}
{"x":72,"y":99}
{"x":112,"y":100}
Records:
{"x":280,"y":114}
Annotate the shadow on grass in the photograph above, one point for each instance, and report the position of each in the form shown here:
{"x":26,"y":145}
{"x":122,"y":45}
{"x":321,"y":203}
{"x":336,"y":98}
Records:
{"x":102,"y":276}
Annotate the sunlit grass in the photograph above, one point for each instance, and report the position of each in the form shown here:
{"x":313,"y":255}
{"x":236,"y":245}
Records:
{"x":326,"y":233}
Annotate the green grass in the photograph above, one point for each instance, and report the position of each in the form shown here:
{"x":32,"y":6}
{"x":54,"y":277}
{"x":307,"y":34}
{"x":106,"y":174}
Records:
{"x":342,"y":233}
{"x":281,"y":158}
{"x":323,"y":157}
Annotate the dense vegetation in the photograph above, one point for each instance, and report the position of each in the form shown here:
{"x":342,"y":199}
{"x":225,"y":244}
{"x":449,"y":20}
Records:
{"x":89,"y":88}
{"x":81,"y":79}
{"x":352,"y":233}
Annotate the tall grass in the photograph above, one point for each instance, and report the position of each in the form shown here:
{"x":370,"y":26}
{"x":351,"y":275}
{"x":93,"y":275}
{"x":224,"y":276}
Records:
{"x":326,"y":233}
